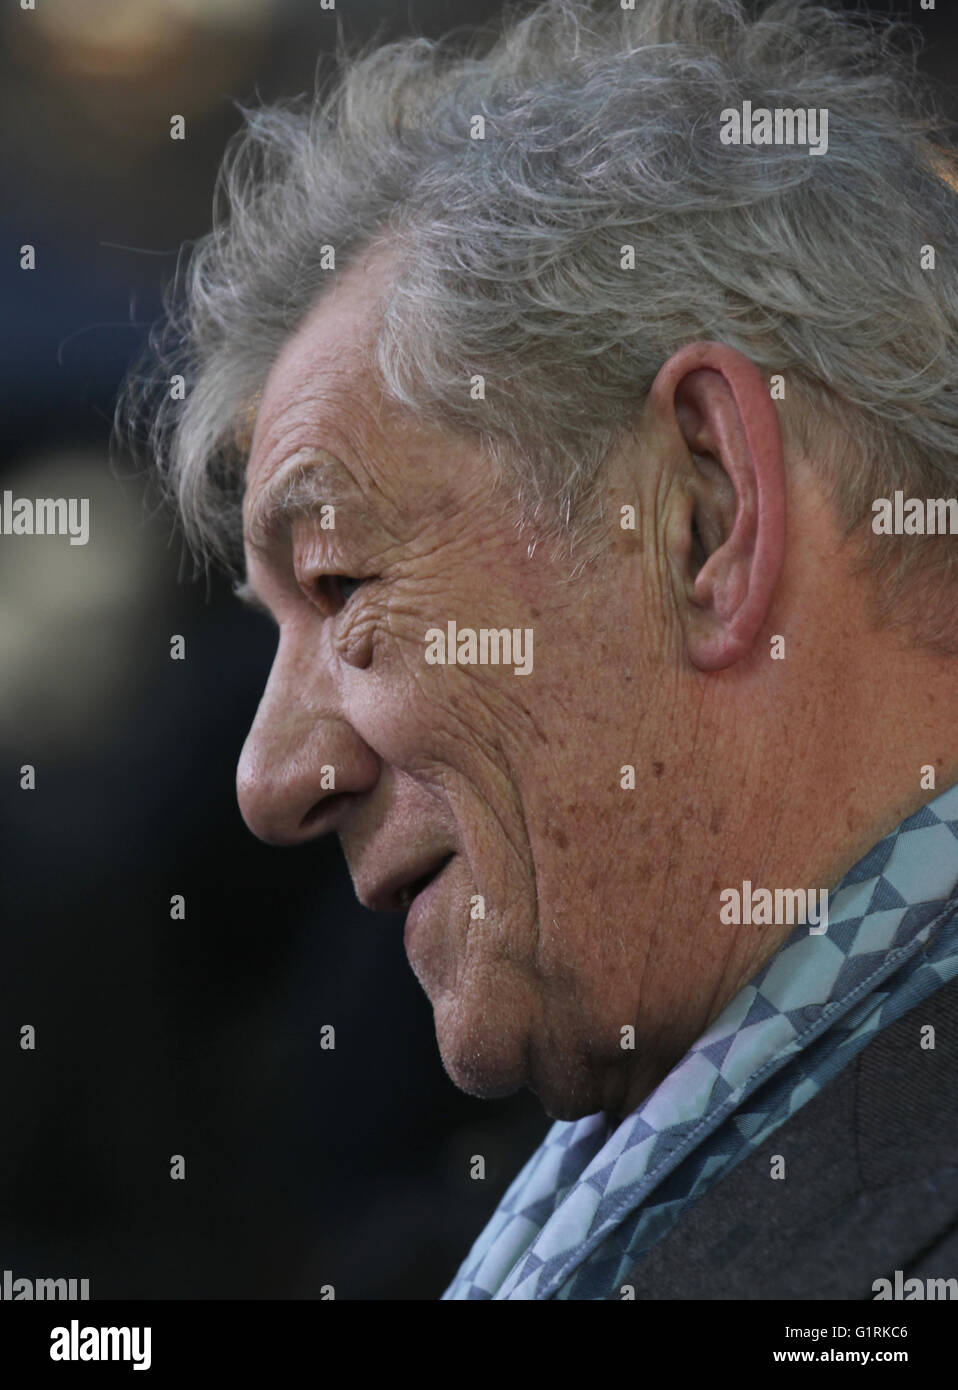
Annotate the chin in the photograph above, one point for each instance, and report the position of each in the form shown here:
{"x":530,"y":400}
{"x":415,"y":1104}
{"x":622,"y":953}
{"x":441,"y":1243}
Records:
{"x":480,"y":1059}
{"x":485,"y":1058}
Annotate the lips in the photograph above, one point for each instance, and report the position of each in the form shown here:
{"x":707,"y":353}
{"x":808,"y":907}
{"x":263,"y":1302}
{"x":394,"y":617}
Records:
{"x":398,"y":892}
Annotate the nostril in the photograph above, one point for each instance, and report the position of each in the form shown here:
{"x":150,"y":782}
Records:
{"x":322,"y":810}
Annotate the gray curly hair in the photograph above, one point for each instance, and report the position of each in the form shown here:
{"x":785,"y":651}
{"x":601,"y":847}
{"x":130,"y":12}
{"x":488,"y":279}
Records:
{"x":601,"y":132}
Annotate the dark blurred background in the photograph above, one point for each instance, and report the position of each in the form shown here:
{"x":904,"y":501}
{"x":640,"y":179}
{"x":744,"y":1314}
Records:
{"x":201,"y":1037}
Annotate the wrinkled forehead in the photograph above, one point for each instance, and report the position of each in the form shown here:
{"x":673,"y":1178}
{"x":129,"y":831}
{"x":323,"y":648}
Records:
{"x":338,"y":331}
{"x":322,"y":375}
{"x":319,"y":443}
{"x":323,"y":426}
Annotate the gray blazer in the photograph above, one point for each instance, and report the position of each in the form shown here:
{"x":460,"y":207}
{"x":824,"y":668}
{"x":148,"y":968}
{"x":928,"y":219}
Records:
{"x":871,"y":1185}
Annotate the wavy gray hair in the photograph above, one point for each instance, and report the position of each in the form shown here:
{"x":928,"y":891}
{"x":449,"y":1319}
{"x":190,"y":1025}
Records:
{"x":601,"y":131}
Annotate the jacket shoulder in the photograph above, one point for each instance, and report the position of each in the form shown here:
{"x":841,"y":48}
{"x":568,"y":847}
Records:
{"x":870,"y":1182}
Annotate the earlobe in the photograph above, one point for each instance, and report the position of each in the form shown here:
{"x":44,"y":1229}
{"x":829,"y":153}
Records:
{"x":732,"y":538}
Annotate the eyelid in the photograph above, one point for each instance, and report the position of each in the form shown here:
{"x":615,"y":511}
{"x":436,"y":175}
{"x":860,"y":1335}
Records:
{"x":325,"y":587}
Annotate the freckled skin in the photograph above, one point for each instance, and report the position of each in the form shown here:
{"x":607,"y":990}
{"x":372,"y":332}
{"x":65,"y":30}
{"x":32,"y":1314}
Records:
{"x":601,"y":904}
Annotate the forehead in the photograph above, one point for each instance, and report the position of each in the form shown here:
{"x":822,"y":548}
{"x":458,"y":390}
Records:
{"x":320,"y":396}
{"x":326,"y":432}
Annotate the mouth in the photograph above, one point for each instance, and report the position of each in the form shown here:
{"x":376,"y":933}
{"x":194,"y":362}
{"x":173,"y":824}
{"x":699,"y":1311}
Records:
{"x":398,"y":894}
{"x":407,"y":895}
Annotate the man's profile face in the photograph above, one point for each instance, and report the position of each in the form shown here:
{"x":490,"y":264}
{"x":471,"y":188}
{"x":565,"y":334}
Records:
{"x":491,"y":785}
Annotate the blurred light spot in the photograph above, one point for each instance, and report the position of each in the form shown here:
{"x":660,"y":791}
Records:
{"x":69,"y":615}
{"x":97,"y":35}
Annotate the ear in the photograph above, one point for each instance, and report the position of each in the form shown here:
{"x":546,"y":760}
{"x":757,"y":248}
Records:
{"x":726,"y":537}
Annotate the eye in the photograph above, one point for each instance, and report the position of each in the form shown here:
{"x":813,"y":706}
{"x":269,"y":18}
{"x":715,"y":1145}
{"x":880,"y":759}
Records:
{"x":346,"y":585}
{"x":329,"y":592}
{"x":335,"y":590}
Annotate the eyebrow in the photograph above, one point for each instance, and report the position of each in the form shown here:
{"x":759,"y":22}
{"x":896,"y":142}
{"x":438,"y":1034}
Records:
{"x":298,"y":491}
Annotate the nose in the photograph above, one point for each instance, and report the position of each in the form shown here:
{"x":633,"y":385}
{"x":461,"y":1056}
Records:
{"x":300,"y":760}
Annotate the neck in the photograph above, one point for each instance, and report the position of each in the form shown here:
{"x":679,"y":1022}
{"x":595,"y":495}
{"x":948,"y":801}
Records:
{"x":797,"y":780}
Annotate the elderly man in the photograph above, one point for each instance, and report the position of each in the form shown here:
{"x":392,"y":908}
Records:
{"x":565,"y":400}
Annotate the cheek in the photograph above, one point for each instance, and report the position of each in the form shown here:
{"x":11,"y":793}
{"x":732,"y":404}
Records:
{"x":590,"y":864}
{"x":420,"y":716}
